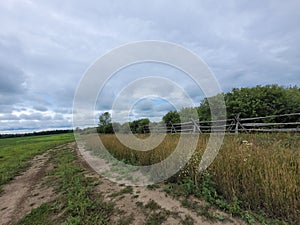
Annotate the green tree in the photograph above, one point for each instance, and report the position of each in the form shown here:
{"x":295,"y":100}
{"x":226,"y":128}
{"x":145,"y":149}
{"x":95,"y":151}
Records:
{"x":188,"y":113}
{"x":171,"y":117}
{"x":105,"y":125}
{"x":263,"y":101}
{"x":255,"y":102}
{"x":215,"y":104}
{"x":140,"y":126}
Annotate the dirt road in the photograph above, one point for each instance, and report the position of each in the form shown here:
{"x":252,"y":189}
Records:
{"x":28,"y":191}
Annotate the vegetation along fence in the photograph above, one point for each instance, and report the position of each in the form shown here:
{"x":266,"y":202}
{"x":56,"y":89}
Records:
{"x":274,"y":123}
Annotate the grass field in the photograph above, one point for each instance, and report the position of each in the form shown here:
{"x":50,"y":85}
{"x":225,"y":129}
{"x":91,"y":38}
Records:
{"x":257,"y":172}
{"x":15,"y":152}
{"x":254,"y":176}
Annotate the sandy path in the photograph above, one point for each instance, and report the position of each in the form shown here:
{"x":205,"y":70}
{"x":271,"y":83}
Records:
{"x":25,"y":191}
{"x":127,"y":202}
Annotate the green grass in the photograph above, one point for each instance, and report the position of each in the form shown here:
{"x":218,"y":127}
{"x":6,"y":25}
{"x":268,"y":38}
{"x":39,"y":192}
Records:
{"x":152,"y":205}
{"x":15,"y":152}
{"x":157,"y":218}
{"x":126,"y":190}
{"x":77,"y":201}
{"x":154,"y":213}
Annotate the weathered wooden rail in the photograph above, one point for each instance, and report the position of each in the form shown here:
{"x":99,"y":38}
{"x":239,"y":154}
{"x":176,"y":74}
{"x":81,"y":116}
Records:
{"x":235,"y":125}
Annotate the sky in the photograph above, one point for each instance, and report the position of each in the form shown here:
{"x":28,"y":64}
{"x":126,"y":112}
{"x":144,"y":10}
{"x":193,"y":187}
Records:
{"x":47,"y":46}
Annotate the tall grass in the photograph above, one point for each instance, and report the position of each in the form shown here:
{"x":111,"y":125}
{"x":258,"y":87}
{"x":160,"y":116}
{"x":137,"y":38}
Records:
{"x":260,"y":170}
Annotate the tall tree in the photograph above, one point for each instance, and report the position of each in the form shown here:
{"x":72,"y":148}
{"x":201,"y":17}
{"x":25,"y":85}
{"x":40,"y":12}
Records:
{"x":171,"y":117}
{"x":105,"y":125}
{"x":256,"y":101}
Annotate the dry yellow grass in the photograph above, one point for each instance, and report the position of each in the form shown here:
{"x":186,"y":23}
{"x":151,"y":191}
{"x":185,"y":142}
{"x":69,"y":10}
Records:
{"x":261,"y":170}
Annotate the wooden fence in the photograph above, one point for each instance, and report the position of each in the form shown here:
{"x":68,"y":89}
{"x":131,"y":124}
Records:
{"x":235,"y":125}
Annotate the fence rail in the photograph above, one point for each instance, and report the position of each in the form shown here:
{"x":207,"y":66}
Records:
{"x":235,"y":125}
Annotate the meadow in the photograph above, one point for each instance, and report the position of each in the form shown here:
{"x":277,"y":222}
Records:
{"x":254,"y":176}
{"x":252,"y":172}
{"x":15,"y":152}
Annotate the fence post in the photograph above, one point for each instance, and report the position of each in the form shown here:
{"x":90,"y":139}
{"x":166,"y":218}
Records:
{"x":196,"y":126}
{"x":237,"y":122}
{"x":173,"y":128}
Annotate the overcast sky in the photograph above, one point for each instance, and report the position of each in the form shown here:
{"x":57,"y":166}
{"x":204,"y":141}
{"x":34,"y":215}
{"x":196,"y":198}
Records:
{"x":46,"y":46}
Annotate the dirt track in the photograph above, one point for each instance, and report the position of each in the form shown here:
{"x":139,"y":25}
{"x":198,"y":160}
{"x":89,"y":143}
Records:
{"x":27,"y":191}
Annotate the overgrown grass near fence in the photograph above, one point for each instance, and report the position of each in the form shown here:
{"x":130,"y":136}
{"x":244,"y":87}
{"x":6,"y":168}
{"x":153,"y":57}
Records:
{"x":261,"y":171}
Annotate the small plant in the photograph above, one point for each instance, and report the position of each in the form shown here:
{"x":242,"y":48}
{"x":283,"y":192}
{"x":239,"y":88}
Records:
{"x":189,"y":187}
{"x":126,"y":190}
{"x":189,"y":204}
{"x":126,"y":220}
{"x":139,"y":204}
{"x":188,"y":220}
{"x":249,"y":218}
{"x":152,"y":205}
{"x":208,"y":188}
{"x":152,"y":186}
{"x":205,"y":211}
{"x":157,"y":218}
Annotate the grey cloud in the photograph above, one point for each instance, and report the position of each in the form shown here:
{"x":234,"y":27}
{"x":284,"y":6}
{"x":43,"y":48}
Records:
{"x":245,"y":43}
{"x":144,"y":105}
{"x":34,"y":116}
{"x":40,"y":108}
{"x":9,"y":116}
{"x":12,"y":80}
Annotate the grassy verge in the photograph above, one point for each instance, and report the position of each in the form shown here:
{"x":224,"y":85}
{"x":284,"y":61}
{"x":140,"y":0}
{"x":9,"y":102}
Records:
{"x":188,"y":193}
{"x":252,"y":172}
{"x":15,"y":152}
{"x":77,"y":202}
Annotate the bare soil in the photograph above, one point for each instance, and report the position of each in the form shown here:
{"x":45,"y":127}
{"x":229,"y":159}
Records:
{"x":26,"y":191}
{"x":127,"y":203}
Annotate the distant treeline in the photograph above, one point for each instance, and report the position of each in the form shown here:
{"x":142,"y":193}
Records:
{"x":36,"y":133}
{"x":246,"y":102}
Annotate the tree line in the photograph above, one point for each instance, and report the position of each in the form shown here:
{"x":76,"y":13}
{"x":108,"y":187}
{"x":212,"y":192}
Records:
{"x":36,"y":133}
{"x":247,"y":102}
{"x":137,"y":126}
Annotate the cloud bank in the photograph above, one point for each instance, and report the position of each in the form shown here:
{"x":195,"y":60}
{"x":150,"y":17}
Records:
{"x":46,"y":46}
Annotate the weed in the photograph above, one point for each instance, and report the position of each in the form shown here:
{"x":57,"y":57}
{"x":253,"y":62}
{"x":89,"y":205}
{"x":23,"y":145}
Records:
{"x":139,"y":204}
{"x":188,"y":220}
{"x":126,"y":220}
{"x":135,"y":196}
{"x":152,"y":186}
{"x":126,"y":190}
{"x":38,"y":215}
{"x":152,"y":205}
{"x":157,"y":218}
{"x":249,"y":218}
